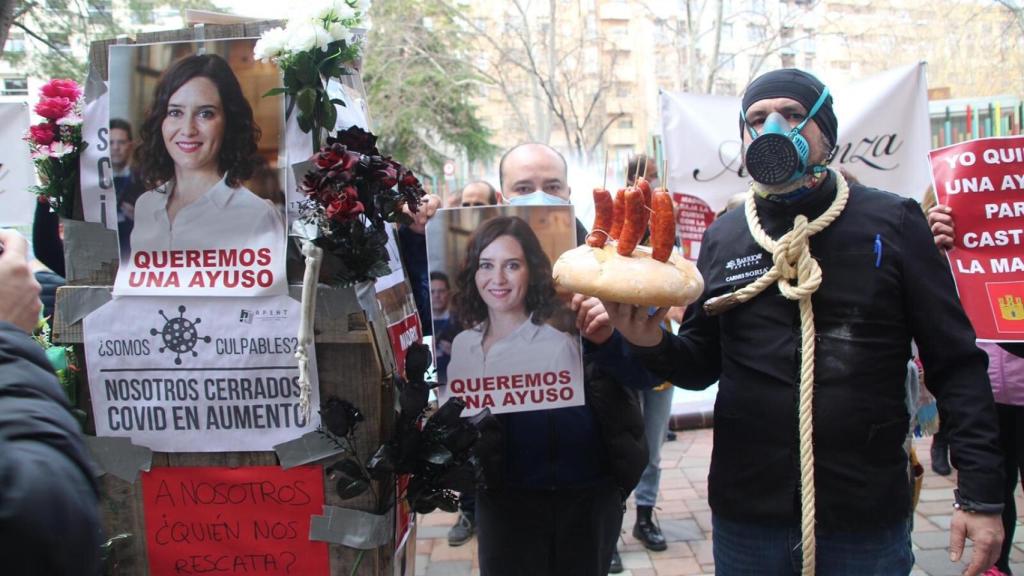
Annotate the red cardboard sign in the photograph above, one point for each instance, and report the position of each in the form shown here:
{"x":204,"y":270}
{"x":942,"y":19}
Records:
{"x":983,"y":182}
{"x":693,"y":219}
{"x":251,"y":520}
{"x":402,"y":335}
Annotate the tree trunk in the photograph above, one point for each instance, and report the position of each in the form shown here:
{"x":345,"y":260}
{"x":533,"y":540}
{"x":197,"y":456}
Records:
{"x":6,"y":19}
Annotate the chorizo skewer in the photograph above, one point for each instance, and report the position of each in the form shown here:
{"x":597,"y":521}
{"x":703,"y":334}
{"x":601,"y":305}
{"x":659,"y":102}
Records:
{"x":618,"y":214}
{"x":604,"y":212}
{"x":635,"y":222}
{"x":663,"y":226}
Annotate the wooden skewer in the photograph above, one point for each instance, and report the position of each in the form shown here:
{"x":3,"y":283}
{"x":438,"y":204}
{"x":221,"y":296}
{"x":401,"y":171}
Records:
{"x":604,"y":183}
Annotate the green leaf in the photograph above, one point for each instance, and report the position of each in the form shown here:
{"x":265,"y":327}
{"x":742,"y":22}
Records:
{"x":275,"y":91}
{"x":306,"y":100}
{"x":306,"y":69}
{"x":329,"y":114}
{"x":338,"y":101}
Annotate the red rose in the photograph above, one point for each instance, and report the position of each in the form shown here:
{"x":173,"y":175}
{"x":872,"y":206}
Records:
{"x":54,"y":108}
{"x":61,"y":88}
{"x":344,"y":208}
{"x":42,"y":134}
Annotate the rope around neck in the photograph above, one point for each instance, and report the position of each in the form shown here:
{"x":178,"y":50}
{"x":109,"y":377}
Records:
{"x":798,"y":276}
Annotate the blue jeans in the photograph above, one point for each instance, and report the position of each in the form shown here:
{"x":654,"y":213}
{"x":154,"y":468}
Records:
{"x":657,"y":407}
{"x":748,"y":549}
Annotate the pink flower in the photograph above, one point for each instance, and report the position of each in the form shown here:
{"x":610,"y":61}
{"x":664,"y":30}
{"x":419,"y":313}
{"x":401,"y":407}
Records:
{"x":59,"y":149}
{"x":54,"y":108}
{"x":42,"y":134}
{"x":61,"y":88}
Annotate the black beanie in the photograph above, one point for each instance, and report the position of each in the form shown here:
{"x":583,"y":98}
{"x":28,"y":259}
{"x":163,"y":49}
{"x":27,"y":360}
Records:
{"x":798,"y":85}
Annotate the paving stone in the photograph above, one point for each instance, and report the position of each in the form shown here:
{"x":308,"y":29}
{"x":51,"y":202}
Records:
{"x":631,"y":560}
{"x":676,"y":566}
{"x":931,"y":540}
{"x":702,"y":549}
{"x":681,"y":530}
{"x":936,"y":563}
{"x":432,"y":532}
{"x":936,"y":495}
{"x":451,"y":568}
{"x":942,"y":521}
{"x":444,"y":552}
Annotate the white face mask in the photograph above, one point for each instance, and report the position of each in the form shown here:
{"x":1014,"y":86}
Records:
{"x":538,"y":198}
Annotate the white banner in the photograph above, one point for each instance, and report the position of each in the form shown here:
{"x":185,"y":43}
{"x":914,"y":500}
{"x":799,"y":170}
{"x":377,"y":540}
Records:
{"x":99,"y":202}
{"x":17,"y":174}
{"x":198,"y":374}
{"x":884,"y":137}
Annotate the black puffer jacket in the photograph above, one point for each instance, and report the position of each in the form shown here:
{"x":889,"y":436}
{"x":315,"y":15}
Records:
{"x":49,"y":519}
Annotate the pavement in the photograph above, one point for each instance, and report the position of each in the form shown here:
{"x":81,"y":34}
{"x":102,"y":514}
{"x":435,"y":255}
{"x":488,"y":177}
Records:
{"x":686,"y":522}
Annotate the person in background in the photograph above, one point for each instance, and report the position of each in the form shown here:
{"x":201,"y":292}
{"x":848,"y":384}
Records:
{"x":657,"y":408}
{"x":49,"y":499}
{"x":478,"y":193}
{"x":474,"y":194}
{"x":556,"y":479}
{"x":127,"y":184}
{"x":1006,"y":373}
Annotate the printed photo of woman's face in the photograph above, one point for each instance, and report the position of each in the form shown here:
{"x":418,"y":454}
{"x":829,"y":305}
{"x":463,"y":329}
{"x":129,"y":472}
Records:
{"x":502,"y":276}
{"x":193,"y":129}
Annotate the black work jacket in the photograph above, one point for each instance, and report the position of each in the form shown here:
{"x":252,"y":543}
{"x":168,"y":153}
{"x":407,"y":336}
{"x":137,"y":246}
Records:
{"x":872,"y":302}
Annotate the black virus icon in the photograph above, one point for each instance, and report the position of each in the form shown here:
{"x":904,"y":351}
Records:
{"x":180,"y":334}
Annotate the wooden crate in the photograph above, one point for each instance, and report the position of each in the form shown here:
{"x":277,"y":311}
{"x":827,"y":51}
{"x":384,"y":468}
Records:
{"x":354,"y":360}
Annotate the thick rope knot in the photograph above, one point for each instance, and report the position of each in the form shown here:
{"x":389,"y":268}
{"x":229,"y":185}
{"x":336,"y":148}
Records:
{"x":797,"y":275}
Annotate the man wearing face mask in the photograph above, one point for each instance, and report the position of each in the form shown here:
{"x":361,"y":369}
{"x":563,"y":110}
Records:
{"x":813,"y":294}
{"x":556,"y":479}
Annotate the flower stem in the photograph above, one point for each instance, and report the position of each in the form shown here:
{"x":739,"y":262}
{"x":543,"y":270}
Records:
{"x":359,"y":560}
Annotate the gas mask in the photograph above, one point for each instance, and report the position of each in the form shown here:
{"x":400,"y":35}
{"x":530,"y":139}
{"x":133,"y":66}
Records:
{"x":537,"y":198}
{"x":779,"y":154}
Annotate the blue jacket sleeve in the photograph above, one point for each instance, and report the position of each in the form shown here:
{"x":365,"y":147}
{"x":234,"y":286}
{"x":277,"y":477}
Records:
{"x":616,"y":359}
{"x":414,"y":251}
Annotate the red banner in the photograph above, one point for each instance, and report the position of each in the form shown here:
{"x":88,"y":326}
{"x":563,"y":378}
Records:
{"x":983,"y":182}
{"x":251,"y":520}
{"x":693,"y":219}
{"x":402,"y":334}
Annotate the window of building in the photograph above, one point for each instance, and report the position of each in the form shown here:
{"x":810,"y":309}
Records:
{"x":727,"y":30}
{"x":15,"y":43}
{"x":756,"y":33}
{"x":626,"y":124}
{"x":99,"y":11}
{"x":61,"y":41}
{"x":15,"y":86}
{"x":788,"y":60}
{"x":757,"y":6}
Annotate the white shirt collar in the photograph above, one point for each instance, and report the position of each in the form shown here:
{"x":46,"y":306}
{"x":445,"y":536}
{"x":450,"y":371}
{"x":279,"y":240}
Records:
{"x":220,"y":193}
{"x":526,"y":332}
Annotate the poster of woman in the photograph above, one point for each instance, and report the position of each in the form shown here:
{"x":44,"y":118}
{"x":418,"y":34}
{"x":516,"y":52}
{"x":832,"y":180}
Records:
{"x":207,"y":150}
{"x":514,"y":346}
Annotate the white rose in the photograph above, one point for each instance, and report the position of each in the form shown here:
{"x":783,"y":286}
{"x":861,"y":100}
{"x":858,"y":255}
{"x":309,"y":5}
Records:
{"x":305,"y":36}
{"x":271,"y":44}
{"x":341,"y":32}
{"x":343,"y":11}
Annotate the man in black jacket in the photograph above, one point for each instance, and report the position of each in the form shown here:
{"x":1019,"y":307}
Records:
{"x":49,"y":520}
{"x":850,"y":286}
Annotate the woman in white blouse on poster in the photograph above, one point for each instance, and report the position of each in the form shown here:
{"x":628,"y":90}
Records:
{"x":504,"y":295}
{"x":199,"y":142}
